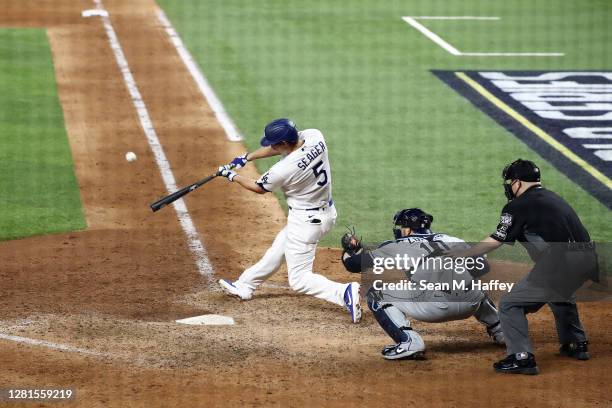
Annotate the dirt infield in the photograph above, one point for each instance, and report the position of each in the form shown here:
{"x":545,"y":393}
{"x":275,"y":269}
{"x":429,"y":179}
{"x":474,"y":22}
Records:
{"x":115,"y":289}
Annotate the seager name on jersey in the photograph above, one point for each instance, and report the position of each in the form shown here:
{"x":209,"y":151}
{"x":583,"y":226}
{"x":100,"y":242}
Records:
{"x":314,"y":152}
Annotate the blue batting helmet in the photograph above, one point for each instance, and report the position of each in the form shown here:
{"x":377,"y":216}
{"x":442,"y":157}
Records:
{"x":280,"y":130}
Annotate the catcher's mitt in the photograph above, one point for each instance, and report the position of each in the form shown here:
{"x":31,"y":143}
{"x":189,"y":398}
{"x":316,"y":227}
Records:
{"x":350,"y":243}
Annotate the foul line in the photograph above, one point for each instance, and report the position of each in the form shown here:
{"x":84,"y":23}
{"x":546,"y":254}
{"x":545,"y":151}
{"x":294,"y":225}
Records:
{"x":454,"y":51}
{"x":536,"y":130}
{"x":231,"y":131}
{"x":193,"y":239}
{"x":51,"y":345}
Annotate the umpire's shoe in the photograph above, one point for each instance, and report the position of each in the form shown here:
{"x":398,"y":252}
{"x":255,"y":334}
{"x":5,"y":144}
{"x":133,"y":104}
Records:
{"x":519,"y":363}
{"x":578,"y":350}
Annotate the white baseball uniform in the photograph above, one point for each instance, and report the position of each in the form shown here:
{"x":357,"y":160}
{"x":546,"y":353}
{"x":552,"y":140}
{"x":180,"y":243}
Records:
{"x":304,"y":176}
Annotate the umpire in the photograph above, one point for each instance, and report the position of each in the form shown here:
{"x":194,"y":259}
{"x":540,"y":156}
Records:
{"x":564,"y":256}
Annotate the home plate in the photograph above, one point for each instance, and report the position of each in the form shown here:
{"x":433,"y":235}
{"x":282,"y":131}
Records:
{"x":209,"y":320}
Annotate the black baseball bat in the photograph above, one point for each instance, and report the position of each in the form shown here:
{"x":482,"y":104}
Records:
{"x":162,"y":202}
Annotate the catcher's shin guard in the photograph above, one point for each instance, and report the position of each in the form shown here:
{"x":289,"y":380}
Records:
{"x":391,"y":319}
{"x":487,"y":312}
{"x":487,"y":315}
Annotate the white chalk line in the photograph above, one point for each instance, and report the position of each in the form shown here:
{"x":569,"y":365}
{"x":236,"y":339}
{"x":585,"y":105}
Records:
{"x":275,"y":286}
{"x":231,"y":131}
{"x":432,"y":36}
{"x":455,"y":18}
{"x":512,"y":54}
{"x":54,"y":346}
{"x":269,"y":285}
{"x":193,"y":240}
{"x":456,"y":52}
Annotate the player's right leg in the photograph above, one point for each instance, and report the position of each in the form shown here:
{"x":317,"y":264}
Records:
{"x":520,"y":358}
{"x":304,"y":229}
{"x":522,"y":299}
{"x":255,"y":275}
{"x":571,"y":334}
{"x":408,"y":343}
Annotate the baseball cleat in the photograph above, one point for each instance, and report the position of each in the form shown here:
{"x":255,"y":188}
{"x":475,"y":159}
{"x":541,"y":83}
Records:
{"x":351,"y":300}
{"x":519,"y":363}
{"x":231,"y":289}
{"x":579,"y":350}
{"x":402,"y":351}
{"x":388,"y":348}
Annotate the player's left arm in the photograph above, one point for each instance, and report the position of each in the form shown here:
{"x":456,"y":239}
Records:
{"x":272,"y":180}
{"x":241,"y":161}
{"x":247,"y":183}
{"x":261,"y":153}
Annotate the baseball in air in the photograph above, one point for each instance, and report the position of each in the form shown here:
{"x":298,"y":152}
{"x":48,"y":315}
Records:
{"x":130,"y":156}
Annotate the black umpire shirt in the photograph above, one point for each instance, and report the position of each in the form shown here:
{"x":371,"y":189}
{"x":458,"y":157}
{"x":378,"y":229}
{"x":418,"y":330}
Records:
{"x":537,"y":217}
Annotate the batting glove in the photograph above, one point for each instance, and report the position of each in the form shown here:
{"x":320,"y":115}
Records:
{"x":240,"y":161}
{"x":226,"y":172}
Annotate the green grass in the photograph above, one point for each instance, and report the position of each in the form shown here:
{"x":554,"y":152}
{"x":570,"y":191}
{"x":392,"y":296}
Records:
{"x":38,"y":189}
{"x":398,"y":136}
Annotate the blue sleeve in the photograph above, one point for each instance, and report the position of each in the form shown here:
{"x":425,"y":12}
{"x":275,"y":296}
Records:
{"x":358,"y":262}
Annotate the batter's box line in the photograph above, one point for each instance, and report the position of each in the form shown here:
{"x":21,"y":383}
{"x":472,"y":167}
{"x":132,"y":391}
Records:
{"x":412,"y":20}
{"x":55,"y":346}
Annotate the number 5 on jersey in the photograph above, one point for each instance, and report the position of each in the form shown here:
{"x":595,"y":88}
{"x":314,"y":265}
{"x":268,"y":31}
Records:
{"x":318,"y":173}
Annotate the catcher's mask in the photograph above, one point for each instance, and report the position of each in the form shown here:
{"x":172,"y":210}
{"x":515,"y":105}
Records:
{"x":521,"y":170}
{"x":414,"y":218}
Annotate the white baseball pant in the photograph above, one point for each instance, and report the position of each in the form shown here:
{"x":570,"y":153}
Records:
{"x":297,"y":244}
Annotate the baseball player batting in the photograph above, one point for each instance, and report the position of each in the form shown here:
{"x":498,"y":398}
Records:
{"x":391,"y":308}
{"x":304,"y":175}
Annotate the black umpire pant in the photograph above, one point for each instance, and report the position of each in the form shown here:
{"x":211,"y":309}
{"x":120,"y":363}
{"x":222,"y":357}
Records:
{"x":553,"y":280}
{"x":515,"y":326}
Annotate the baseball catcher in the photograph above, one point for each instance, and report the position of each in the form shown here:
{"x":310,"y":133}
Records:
{"x":392,"y":308}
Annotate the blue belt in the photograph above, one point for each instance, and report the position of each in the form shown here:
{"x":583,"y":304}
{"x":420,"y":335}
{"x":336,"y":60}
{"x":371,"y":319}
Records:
{"x":329,"y":204}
